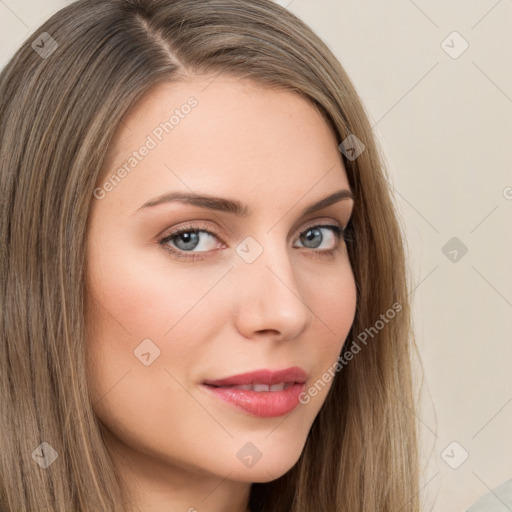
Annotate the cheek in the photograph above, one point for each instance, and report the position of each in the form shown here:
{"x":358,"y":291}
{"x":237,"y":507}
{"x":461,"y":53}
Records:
{"x":337,"y":300}
{"x":136,"y":314}
{"x":141,"y":311}
{"x":333,"y":297}
{"x":141,"y":295}
{"x":333,"y":303}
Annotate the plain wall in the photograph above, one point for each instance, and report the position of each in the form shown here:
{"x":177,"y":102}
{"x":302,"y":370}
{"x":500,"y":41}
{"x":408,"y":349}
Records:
{"x":444,"y":121}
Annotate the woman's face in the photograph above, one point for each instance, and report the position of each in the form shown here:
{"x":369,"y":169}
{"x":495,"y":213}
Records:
{"x":248,"y":286}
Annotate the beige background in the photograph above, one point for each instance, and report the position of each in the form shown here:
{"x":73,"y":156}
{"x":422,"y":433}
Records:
{"x":445,"y":125}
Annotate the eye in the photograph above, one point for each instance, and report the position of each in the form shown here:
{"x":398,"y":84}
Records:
{"x":187,"y":241}
{"x":313,"y":237}
{"x":189,"y":238}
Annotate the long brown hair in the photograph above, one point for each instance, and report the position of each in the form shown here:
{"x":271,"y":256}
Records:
{"x":63,"y":95}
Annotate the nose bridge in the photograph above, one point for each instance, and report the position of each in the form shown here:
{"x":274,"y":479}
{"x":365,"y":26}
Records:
{"x":267,"y":258}
{"x":269,"y":290}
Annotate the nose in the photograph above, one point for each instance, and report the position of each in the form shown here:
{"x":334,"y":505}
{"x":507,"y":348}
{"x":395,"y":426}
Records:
{"x":269,"y":299}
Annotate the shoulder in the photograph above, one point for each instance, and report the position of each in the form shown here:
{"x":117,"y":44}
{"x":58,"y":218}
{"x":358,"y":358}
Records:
{"x":497,"y":500}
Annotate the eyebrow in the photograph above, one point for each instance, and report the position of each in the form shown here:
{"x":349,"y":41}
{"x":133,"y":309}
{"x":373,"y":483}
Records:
{"x":233,"y":206}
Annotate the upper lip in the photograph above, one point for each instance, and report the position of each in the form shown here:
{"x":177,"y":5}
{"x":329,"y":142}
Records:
{"x":269,"y":377}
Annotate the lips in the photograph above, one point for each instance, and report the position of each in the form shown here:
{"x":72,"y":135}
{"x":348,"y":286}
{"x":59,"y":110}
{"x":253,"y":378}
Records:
{"x":268,"y":377}
{"x":263,"y":393}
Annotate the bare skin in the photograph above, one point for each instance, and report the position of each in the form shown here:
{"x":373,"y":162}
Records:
{"x":211,"y":313}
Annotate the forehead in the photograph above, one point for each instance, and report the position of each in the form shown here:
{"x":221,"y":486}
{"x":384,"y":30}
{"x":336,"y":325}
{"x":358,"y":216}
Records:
{"x":224,"y":134}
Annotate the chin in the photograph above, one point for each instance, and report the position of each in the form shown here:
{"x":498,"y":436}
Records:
{"x":274,"y":463}
{"x":264,"y":473}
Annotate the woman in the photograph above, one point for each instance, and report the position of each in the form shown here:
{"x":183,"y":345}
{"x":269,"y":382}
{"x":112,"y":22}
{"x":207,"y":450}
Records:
{"x":204,"y":294}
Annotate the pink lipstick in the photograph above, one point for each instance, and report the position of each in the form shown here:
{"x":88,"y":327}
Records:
{"x":263,"y":393}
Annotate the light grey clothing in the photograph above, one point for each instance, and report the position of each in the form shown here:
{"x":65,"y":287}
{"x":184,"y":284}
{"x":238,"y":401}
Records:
{"x":498,"y":500}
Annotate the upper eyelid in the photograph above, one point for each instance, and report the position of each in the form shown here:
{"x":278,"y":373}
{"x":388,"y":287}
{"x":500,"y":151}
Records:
{"x":203,"y":227}
{"x":331,"y":210}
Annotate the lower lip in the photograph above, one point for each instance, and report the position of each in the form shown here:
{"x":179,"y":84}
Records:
{"x":265,"y":404}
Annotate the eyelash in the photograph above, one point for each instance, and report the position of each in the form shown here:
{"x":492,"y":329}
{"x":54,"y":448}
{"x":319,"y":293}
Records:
{"x":339,"y":232}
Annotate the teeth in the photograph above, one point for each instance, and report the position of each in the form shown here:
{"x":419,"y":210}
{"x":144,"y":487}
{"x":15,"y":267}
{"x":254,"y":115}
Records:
{"x":262,"y":387}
